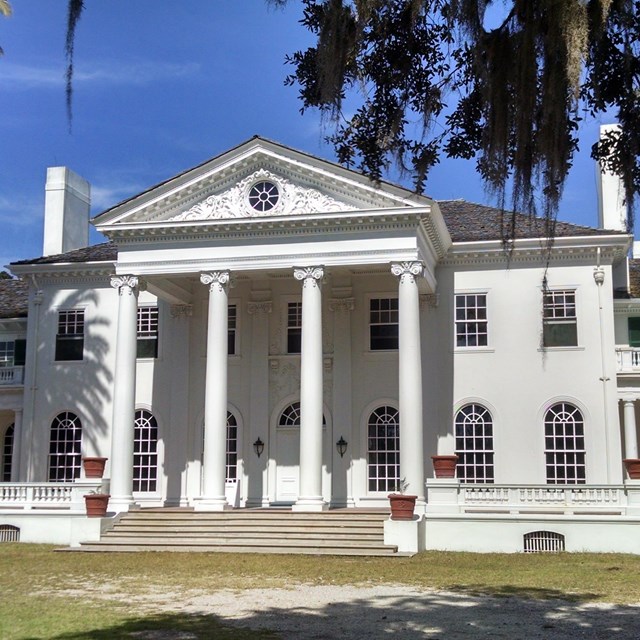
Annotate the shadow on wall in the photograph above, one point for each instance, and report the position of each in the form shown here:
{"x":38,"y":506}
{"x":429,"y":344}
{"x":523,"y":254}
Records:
{"x":82,"y":387}
{"x":385,"y":611}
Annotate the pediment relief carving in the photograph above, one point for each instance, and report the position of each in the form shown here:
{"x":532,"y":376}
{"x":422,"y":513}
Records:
{"x":249,"y":198}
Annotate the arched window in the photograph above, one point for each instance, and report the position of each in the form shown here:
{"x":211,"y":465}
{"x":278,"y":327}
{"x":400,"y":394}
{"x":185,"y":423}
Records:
{"x":232,"y":447}
{"x":564,"y":444}
{"x":290,"y":417}
{"x":474,"y":444}
{"x":7,"y":453}
{"x":383,"y":449}
{"x":145,"y":451}
{"x":65,"y":447}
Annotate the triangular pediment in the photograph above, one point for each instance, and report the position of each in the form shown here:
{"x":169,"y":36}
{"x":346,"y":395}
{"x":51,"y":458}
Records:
{"x":263,"y":193}
{"x":257,"y":179}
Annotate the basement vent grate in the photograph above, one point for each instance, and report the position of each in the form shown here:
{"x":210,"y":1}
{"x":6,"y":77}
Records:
{"x":543,"y":542}
{"x":9,"y":533}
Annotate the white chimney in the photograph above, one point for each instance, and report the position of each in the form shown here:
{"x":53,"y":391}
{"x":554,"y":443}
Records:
{"x":66,"y":211}
{"x":612,"y":210}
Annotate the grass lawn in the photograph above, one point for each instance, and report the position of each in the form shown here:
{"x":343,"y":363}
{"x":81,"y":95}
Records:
{"x":99,"y":596}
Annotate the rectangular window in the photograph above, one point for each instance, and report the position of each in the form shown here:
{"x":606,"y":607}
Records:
{"x":634,"y":332}
{"x":294,"y":327}
{"x":471,"y":320}
{"x":233,"y":323}
{"x":559,"y":321}
{"x":7,"y":354}
{"x":70,"y":336}
{"x":383,"y":324}
{"x":147,"y":343}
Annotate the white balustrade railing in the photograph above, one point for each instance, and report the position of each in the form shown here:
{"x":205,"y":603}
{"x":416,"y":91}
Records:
{"x":628,"y":359}
{"x":560,"y":498}
{"x":46,"y":495}
{"x":10,"y":376}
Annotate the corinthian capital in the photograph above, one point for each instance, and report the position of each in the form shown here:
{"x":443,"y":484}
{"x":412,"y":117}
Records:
{"x":126,"y":285}
{"x":217,"y":280}
{"x":311,"y":276}
{"x":407,"y":270}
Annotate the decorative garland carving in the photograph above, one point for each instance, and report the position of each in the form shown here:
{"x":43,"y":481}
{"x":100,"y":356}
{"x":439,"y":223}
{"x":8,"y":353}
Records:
{"x":429,"y":300}
{"x":263,"y":306}
{"x":181,"y":310}
{"x":342,"y":305}
{"x":234,"y":203}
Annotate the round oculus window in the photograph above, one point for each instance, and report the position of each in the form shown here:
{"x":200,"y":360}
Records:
{"x":264,"y":196}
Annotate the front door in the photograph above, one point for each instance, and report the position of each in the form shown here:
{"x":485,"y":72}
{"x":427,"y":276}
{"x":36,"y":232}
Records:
{"x":288,"y":467}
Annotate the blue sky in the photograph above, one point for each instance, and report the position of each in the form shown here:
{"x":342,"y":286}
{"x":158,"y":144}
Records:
{"x":160,"y":87}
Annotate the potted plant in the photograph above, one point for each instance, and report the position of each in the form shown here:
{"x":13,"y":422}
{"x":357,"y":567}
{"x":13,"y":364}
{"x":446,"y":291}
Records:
{"x":445,"y":466}
{"x":93,"y":466}
{"x":633,"y":468}
{"x":96,"y":504}
{"x":402,"y":505}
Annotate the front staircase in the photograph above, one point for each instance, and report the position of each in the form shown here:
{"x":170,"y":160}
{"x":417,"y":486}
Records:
{"x":352,"y":532}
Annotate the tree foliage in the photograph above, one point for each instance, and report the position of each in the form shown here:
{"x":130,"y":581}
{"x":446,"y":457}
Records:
{"x":429,"y":78}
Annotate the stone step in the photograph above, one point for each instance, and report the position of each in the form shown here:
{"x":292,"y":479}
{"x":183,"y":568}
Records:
{"x":301,"y":550}
{"x":208,"y":532}
{"x":259,"y":531}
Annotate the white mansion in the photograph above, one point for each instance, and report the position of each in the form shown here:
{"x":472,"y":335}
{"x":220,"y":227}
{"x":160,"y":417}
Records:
{"x":271,"y":329}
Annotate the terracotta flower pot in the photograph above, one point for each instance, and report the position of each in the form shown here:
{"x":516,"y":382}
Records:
{"x":93,"y":467}
{"x":445,"y":466}
{"x":402,"y":506}
{"x":633,"y":468}
{"x":96,"y":504}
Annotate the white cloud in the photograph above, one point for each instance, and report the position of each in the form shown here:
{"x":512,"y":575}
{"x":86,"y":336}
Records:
{"x":105,"y":196}
{"x":20,"y":211}
{"x":16,"y":76}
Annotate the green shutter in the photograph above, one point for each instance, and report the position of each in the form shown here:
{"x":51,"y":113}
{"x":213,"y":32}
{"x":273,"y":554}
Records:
{"x":634,"y":332}
{"x":20,"y":349}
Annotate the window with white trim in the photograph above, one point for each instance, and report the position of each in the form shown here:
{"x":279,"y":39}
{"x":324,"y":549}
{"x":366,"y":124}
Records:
{"x":232,"y":448}
{"x":472,"y":326}
{"x":7,"y":453}
{"x":383,"y":324}
{"x":294,"y":327}
{"x":147,"y":342}
{"x":231,"y":330}
{"x":70,"y":336}
{"x":559,"y":320}
{"x":564,"y":444}
{"x":65,"y":447}
{"x":145,"y":452}
{"x":383,"y":449}
{"x":7,"y":352}
{"x":474,"y":444}
{"x":290,"y":417}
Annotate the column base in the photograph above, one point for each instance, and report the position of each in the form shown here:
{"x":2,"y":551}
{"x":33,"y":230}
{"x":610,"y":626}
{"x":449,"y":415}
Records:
{"x":211,"y":504}
{"x":121,"y":505}
{"x":310,"y":505}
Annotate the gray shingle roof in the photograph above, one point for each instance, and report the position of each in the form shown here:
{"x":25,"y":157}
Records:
{"x":104,"y":252}
{"x":468,"y":222}
{"x":14,"y":298}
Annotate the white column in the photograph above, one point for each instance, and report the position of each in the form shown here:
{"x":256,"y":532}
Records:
{"x":341,"y":474}
{"x":630,"y":433}
{"x":124,"y":394}
{"x":257,"y":468}
{"x":17,"y":440}
{"x":215,"y":403}
{"x":310,"y":497}
{"x":410,"y":378}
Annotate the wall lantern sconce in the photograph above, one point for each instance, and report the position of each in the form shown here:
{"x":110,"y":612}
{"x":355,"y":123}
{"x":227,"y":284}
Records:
{"x":258,"y":446}
{"x":341,"y":446}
